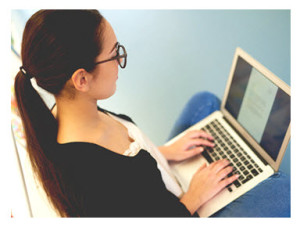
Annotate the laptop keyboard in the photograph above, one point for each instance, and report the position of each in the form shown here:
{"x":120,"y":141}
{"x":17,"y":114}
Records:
{"x":227,"y":148}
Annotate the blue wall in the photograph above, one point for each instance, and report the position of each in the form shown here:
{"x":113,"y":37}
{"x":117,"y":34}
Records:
{"x":174,"y":53}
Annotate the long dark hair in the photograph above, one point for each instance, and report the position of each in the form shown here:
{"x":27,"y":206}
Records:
{"x":55,"y":44}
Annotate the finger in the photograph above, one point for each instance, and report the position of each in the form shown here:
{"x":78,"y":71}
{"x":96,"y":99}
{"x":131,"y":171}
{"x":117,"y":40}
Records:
{"x":219,"y":165}
{"x":228,"y":180}
{"x":199,"y":133}
{"x":200,"y":142}
{"x":206,"y":135}
{"x":194,"y":134}
{"x":193,"y":152}
{"x":224,"y":172}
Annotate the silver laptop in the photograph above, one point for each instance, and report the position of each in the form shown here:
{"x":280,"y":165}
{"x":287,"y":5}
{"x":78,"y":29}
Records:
{"x":252,"y":130}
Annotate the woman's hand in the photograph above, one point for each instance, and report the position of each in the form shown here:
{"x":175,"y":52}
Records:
{"x":206,"y":183}
{"x":187,"y":146}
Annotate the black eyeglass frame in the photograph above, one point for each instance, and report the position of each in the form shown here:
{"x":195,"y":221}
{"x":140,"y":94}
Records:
{"x":117,"y":57}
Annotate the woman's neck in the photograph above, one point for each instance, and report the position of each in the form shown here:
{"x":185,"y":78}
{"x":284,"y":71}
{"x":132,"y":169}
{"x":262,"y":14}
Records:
{"x":77,"y":118}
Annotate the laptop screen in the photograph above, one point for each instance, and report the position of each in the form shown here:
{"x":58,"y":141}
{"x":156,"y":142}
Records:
{"x":259,"y":106}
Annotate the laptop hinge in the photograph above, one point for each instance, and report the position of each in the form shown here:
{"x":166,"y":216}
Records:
{"x":249,"y":145}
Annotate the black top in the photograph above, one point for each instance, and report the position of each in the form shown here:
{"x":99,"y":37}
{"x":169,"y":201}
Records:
{"x":103,"y":183}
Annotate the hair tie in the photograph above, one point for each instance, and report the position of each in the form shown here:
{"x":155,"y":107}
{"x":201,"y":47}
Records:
{"x":23,"y":71}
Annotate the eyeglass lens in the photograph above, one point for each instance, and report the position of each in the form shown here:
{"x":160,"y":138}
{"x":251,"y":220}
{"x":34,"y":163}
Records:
{"x":121,"y":52}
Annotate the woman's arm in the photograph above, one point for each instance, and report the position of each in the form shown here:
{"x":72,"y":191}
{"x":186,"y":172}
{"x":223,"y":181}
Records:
{"x":206,"y":183}
{"x":208,"y":180}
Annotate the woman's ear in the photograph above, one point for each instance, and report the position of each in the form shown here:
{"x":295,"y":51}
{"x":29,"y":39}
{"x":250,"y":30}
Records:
{"x":80,"y":79}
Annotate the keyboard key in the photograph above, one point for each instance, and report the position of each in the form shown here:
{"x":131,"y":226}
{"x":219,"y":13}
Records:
{"x":247,"y":179}
{"x":246,"y":172}
{"x":237,"y":183}
{"x":207,"y":156}
{"x":254,"y":172}
{"x":250,"y":166}
{"x":209,"y":149}
{"x":236,"y":171}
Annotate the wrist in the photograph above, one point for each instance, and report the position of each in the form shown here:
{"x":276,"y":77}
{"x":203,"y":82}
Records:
{"x":189,"y":203}
{"x":164,"y":150}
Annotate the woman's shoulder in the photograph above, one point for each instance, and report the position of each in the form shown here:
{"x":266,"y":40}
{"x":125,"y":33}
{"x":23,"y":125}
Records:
{"x":82,"y":152}
{"x":53,"y":110}
{"x":80,"y":149}
{"x":123,"y":116}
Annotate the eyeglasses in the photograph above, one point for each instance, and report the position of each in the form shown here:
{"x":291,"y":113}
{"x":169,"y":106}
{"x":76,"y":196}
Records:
{"x":121,"y":56}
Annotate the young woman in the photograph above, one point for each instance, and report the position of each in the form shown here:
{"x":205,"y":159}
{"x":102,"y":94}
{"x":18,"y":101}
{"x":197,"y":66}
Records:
{"x":92,"y":162}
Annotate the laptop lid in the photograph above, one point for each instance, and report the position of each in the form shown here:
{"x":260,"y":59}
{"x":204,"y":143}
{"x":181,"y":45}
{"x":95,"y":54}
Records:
{"x":257,"y":104}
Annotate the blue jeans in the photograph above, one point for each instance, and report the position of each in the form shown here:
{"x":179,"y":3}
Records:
{"x":270,"y":198}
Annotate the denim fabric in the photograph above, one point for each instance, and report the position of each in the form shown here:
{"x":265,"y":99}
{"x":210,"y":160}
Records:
{"x":270,"y":198}
{"x":199,"y":106}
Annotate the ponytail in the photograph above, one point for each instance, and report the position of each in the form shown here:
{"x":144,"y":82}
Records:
{"x":40,"y":128}
{"x":55,"y":44}
{"x":39,"y":124}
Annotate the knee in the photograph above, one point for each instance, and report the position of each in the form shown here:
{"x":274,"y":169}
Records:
{"x":206,"y":97}
{"x":282,"y":177}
